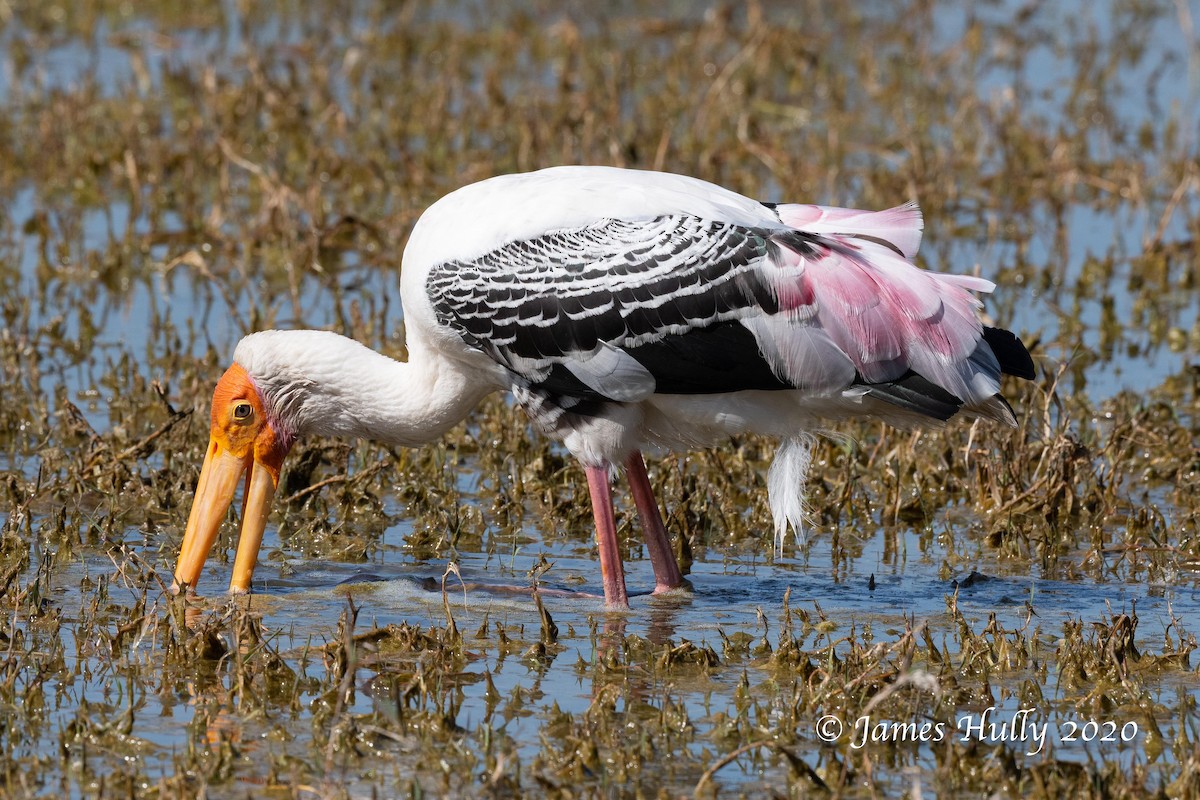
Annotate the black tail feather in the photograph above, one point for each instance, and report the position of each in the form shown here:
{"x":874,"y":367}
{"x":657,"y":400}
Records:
{"x":1010,"y":352}
{"x":915,"y":393}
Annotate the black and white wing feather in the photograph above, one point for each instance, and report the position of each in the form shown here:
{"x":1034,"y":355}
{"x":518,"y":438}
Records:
{"x":679,"y":304}
{"x":617,"y":310}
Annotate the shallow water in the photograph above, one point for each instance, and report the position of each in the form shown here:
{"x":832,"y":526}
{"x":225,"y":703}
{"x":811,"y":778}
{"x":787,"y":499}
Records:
{"x":177,"y":177}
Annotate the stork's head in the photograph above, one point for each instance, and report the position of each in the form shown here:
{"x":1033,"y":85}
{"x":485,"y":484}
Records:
{"x":246,"y":439}
{"x":286,"y":384}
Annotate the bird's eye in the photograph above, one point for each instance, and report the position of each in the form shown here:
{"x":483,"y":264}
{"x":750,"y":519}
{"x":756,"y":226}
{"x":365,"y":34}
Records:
{"x":242,"y":411}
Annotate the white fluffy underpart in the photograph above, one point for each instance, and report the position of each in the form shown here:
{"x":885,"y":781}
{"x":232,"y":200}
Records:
{"x":785,"y":486}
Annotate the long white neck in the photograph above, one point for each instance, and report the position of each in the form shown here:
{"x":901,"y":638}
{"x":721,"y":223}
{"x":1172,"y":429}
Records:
{"x":316,"y":382}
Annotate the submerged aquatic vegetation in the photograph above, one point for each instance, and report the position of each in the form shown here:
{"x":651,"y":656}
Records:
{"x":176,"y":176}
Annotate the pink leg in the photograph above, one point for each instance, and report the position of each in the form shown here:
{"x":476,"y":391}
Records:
{"x":612,"y":571}
{"x":662,"y":558}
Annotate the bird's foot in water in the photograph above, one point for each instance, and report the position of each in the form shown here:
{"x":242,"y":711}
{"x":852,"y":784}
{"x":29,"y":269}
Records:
{"x":431,"y":584}
{"x":682,"y":589}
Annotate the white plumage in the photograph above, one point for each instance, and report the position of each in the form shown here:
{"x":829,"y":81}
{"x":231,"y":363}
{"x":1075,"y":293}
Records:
{"x":626,"y":309}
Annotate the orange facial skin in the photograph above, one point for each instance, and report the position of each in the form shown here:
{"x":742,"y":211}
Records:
{"x":242,"y":442}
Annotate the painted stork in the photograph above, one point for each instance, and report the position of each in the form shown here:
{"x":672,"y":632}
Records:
{"x":622,"y":309}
